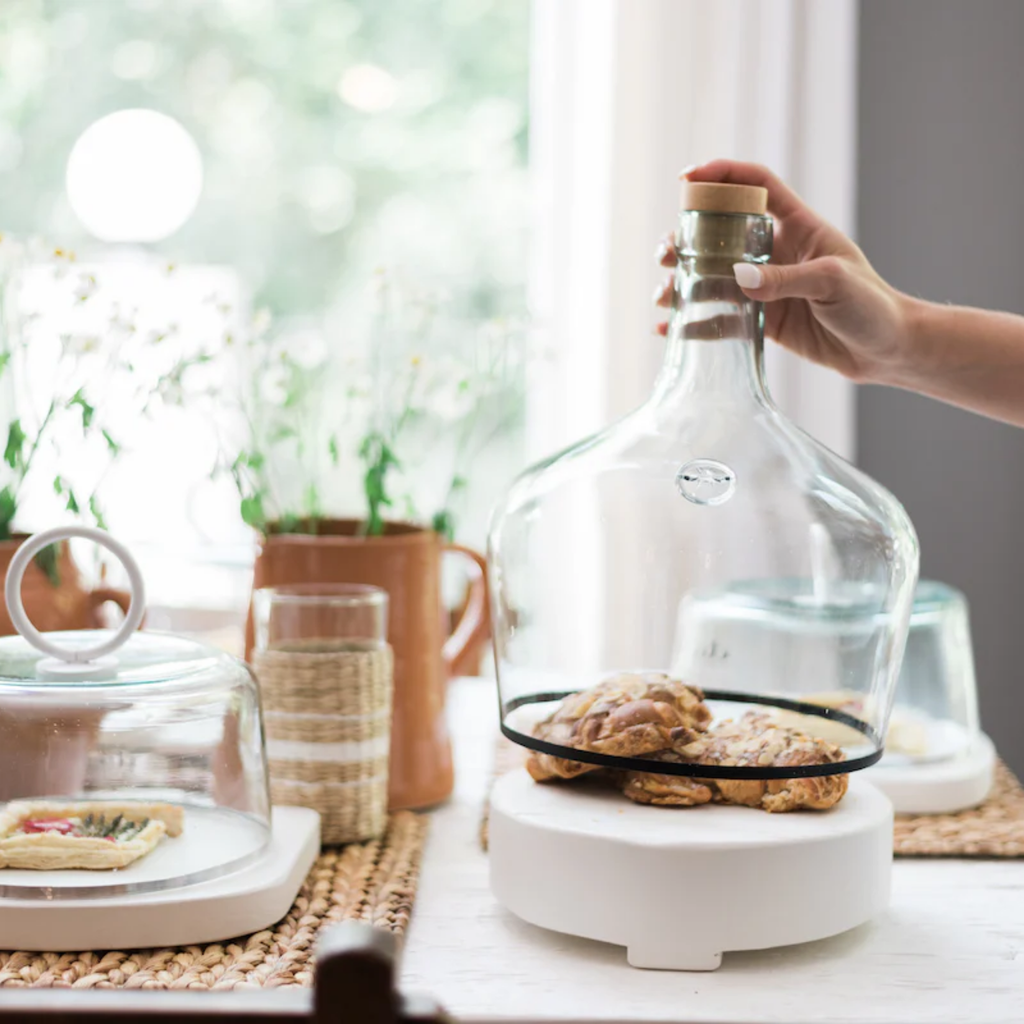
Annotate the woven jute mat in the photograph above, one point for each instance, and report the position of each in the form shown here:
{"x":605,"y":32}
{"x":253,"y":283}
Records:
{"x":995,"y":829}
{"x":373,"y":882}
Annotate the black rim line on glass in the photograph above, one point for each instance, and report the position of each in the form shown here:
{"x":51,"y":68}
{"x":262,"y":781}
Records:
{"x":703,"y":771}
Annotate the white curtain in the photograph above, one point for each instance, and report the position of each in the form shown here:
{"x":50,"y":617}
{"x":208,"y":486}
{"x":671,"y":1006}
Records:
{"x":624,"y":95}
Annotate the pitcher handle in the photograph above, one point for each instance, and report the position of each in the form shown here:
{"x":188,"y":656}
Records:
{"x":472,"y":627}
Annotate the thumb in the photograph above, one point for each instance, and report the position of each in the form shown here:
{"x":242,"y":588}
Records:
{"x":819,"y":279}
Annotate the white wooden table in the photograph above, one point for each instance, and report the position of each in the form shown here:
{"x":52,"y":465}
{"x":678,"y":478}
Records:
{"x":951,"y":947}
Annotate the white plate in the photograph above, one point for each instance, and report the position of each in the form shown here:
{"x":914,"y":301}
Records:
{"x":213,"y":842}
{"x":239,"y":903}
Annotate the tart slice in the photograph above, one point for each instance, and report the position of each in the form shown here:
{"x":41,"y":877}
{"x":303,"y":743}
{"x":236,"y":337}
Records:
{"x":96,"y":835}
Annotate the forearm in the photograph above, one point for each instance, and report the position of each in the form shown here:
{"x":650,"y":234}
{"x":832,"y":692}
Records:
{"x":972,"y":358}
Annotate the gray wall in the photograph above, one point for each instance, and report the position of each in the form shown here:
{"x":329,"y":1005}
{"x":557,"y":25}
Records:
{"x":941,"y":214}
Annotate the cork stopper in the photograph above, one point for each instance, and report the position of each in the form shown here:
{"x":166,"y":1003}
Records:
{"x":715,"y":197}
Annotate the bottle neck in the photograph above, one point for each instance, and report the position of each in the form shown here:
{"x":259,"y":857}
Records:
{"x":715,"y":340}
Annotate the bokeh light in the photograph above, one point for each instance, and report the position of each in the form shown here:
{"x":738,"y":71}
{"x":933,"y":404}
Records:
{"x":134,"y":176}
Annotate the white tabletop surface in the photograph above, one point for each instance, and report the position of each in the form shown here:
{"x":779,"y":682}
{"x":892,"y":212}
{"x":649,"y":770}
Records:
{"x":950,"y":948}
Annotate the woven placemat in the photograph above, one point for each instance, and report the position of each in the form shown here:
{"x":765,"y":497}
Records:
{"x":995,"y":829}
{"x":373,"y":882}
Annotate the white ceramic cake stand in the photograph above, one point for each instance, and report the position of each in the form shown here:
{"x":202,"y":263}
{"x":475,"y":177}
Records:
{"x":678,"y":887}
{"x":942,"y":786}
{"x":247,"y":900}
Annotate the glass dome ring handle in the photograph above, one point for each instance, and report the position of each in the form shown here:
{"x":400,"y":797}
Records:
{"x":16,"y":609}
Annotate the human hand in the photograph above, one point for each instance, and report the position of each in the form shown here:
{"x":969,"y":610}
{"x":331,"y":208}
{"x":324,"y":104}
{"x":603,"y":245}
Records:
{"x":823,"y":299}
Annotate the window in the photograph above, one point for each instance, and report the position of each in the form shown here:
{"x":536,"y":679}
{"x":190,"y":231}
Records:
{"x":209,"y":158}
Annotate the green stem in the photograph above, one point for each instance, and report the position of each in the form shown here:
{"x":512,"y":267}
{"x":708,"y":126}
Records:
{"x":27,"y":464}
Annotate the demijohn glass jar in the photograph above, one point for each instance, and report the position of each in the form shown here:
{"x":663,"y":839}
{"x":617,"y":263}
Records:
{"x":597,"y":554}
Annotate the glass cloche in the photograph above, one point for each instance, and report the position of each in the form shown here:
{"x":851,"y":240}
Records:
{"x":936,"y":760}
{"x":145,"y":726}
{"x":935,"y":714}
{"x":603,"y":557}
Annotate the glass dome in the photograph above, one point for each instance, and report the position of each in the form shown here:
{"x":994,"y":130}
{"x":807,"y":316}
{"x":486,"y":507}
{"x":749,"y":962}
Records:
{"x":170,"y":722}
{"x":935,"y":715}
{"x":604,"y":558}
{"x":775,"y":630}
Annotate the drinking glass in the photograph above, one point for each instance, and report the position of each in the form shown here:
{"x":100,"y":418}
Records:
{"x":325,"y":672}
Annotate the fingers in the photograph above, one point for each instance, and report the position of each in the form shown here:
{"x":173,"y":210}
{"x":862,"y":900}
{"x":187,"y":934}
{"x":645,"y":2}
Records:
{"x":819,"y":280}
{"x":782,"y":200}
{"x":665,"y":293}
{"x":666,"y":254}
{"x":664,"y":296}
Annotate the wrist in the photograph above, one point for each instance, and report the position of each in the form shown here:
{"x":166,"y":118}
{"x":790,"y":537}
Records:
{"x":906,"y":363}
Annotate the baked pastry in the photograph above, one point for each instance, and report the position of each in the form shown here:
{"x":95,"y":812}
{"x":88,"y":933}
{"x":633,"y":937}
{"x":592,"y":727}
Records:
{"x":755,"y":740}
{"x":629,"y":715}
{"x":95,"y":835}
{"x":654,"y":716}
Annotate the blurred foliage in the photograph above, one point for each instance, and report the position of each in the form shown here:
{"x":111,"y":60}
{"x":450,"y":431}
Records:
{"x":337,"y":135}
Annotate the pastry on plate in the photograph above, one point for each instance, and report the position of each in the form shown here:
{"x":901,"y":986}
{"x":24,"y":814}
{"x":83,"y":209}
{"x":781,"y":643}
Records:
{"x":907,"y":734}
{"x":754,"y":740}
{"x":629,"y":715}
{"x":829,"y":729}
{"x":96,"y":835}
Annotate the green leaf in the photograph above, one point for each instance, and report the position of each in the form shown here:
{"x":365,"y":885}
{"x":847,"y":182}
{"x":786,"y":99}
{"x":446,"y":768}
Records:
{"x":72,"y":503}
{"x":252,"y":511}
{"x":444,"y":524}
{"x":58,"y":485}
{"x":97,"y":512}
{"x":379,"y":458}
{"x":114,"y":447}
{"x":8,"y":507}
{"x":332,"y":448}
{"x":46,"y":559}
{"x":311,"y":501}
{"x":13,"y":453}
{"x":5,"y":358}
{"x":88,"y":411}
{"x":281,"y":433}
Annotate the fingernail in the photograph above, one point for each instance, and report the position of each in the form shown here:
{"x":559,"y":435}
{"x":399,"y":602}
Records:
{"x":747,"y":275}
{"x":687,"y":170}
{"x":659,"y":293}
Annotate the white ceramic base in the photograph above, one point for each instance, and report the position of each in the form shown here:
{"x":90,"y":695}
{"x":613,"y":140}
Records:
{"x":678,"y":887}
{"x":247,"y":901}
{"x":939,"y":787}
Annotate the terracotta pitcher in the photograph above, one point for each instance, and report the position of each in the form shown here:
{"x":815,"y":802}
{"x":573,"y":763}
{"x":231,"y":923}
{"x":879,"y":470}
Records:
{"x":66,"y":605}
{"x":406,"y":562}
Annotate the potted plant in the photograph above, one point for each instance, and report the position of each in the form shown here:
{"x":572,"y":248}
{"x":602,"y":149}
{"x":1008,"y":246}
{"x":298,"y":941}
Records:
{"x":45,"y":413}
{"x":393,"y":429}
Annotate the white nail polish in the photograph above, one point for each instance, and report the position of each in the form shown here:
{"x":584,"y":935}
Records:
{"x":747,"y":275}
